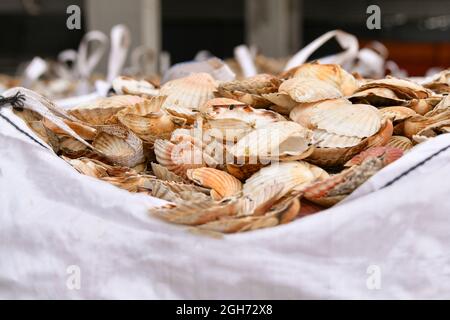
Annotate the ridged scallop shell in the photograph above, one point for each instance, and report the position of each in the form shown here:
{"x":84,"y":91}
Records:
{"x":164,"y":174}
{"x":101,"y":110}
{"x":223,"y":185}
{"x":333,"y":156}
{"x":180,"y":157}
{"x":330,"y":191}
{"x":128,"y":85}
{"x":400,"y":142}
{"x":396,"y":114}
{"x":243,"y":171}
{"x":390,"y":155}
{"x":250,"y":90}
{"x":197,"y":212}
{"x":236,"y":121}
{"x":186,"y":95}
{"x":119,"y":145}
{"x":358,"y":120}
{"x":404,"y":89}
{"x":292,"y":176}
{"x":163,"y":190}
{"x":306,"y":90}
{"x":379,"y":97}
{"x":324,"y":139}
{"x":331,"y":73}
{"x":283,"y":213}
{"x":283,"y":140}
{"x":97,"y":169}
{"x":131,"y":183}
{"x":150,"y":127}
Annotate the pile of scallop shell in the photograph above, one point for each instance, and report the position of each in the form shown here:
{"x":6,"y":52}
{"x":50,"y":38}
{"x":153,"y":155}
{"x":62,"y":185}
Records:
{"x":249,"y":153}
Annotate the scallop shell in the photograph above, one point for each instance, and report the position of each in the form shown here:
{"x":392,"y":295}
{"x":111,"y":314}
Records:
{"x":292,"y":176}
{"x":333,"y":156}
{"x":303,"y":112}
{"x":400,"y":142}
{"x":404,"y":89}
{"x":414,"y":125}
{"x":186,"y":95}
{"x":127,"y":85}
{"x":243,"y":171}
{"x":223,"y":185}
{"x":284,"y":213}
{"x":358,"y":120}
{"x":396,"y":114}
{"x":324,"y":139}
{"x":306,"y":90}
{"x":331,"y":73}
{"x":330,"y":191}
{"x":421,"y":106}
{"x":197,"y":212}
{"x":131,"y":183}
{"x":443,"y":105}
{"x":250,"y":90}
{"x":283,"y":140}
{"x":119,"y":145}
{"x":164,"y":191}
{"x":164,"y":174}
{"x":234,"y":122}
{"x":98,"y":169}
{"x":440,"y":83}
{"x":84,"y":131}
{"x":152,"y":126}
{"x":180,"y":157}
{"x":379,"y":97}
{"x":101,"y":110}
{"x":389,"y":153}
{"x":72,"y":147}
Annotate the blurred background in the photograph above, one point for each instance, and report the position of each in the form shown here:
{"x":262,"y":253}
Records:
{"x":416,"y":33}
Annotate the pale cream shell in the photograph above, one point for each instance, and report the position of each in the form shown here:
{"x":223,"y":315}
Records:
{"x":128,"y":85}
{"x":358,"y":120}
{"x":186,"y":95}
{"x":306,"y":90}
{"x":331,"y":73}
{"x":276,"y":141}
{"x":292,"y":176}
{"x":119,"y":145}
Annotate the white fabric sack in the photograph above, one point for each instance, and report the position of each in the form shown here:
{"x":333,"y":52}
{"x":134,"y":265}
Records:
{"x":391,"y":242}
